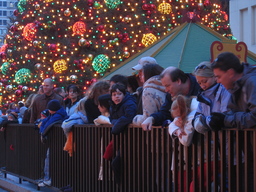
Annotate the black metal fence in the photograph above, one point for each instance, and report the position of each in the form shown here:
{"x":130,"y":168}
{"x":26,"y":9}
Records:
{"x":149,"y":161}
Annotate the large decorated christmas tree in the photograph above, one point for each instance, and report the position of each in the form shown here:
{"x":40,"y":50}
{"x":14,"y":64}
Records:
{"x":77,"y":41}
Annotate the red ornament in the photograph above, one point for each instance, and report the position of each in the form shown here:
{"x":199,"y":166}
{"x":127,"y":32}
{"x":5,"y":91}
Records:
{"x":125,"y":35}
{"x":3,"y":55}
{"x":101,"y":27}
{"x":79,"y":28}
{"x":20,"y":87}
{"x":18,"y":93}
{"x":145,"y":7}
{"x":90,"y":3}
{"x":149,"y":13}
{"x":207,"y":3}
{"x":15,"y":12}
{"x":13,"y":28}
{"x":120,"y":36}
{"x":29,"y":31}
{"x":53,"y":47}
{"x":3,"y":48}
{"x":152,"y":7}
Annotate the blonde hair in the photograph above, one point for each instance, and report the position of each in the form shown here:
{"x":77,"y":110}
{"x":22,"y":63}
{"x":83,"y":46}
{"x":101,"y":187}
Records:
{"x":80,"y":106}
{"x":97,"y":89}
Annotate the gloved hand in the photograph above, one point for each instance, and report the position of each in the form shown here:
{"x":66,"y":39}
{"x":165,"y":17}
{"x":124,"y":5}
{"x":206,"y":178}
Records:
{"x":147,"y":124}
{"x":217,"y":121}
{"x":166,"y":123}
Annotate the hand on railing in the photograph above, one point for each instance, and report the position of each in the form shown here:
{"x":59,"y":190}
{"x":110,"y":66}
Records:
{"x":217,"y":121}
{"x":147,"y":124}
{"x":2,"y":129}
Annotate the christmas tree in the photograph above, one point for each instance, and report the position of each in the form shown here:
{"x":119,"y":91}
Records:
{"x":78,"y":41}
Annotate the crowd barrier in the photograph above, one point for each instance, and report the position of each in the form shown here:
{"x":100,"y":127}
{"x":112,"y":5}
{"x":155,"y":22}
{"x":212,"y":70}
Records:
{"x":149,"y":161}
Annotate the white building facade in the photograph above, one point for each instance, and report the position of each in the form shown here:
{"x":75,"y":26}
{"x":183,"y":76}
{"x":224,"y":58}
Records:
{"x":6,"y":10}
{"x":243,"y":22}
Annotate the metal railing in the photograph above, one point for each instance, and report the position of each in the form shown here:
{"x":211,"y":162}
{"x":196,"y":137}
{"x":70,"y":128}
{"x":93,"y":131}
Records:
{"x":150,"y":161}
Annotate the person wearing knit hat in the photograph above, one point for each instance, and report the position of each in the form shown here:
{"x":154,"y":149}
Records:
{"x":54,"y":105}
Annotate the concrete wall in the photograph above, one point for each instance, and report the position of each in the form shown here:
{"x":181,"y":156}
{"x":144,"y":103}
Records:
{"x":243,"y":22}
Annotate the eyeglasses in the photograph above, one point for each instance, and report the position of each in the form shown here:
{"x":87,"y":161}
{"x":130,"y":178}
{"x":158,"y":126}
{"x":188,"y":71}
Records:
{"x":201,"y":67}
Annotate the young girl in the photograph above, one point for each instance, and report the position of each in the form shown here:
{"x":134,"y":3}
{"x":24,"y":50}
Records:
{"x":123,"y":109}
{"x":183,"y":110}
{"x":103,"y":106}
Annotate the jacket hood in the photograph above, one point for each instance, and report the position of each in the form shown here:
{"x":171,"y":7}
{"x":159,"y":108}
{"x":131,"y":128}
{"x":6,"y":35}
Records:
{"x":62,"y":112}
{"x":154,"y":82}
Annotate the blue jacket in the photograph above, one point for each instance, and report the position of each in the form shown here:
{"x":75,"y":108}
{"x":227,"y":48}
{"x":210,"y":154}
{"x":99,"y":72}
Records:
{"x":121,"y":115}
{"x":48,"y":122}
{"x":164,"y":112}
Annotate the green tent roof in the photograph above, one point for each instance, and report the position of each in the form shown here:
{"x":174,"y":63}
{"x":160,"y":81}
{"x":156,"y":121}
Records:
{"x":184,"y":47}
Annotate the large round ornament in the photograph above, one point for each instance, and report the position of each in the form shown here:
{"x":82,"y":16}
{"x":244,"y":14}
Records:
{"x":38,"y":66}
{"x":9,"y":52}
{"x":5,"y":67}
{"x":59,"y":66}
{"x":35,"y":43}
{"x":101,"y":63}
{"x":165,"y":8}
{"x":37,"y":6}
{"x":23,"y":76}
{"x":112,"y":4}
{"x":148,"y":39}
{"x":29,"y":31}
{"x":79,"y":28}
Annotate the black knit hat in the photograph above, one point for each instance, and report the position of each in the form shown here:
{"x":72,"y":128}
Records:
{"x":54,"y":105}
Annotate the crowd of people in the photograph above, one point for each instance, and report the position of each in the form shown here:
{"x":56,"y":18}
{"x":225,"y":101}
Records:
{"x":214,"y":96}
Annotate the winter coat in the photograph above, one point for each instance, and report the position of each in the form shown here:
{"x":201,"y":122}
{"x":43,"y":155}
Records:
{"x":55,"y":118}
{"x":121,"y":115}
{"x":153,"y":97}
{"x":243,"y":101}
{"x":185,"y":140}
{"x":40,"y":104}
{"x":164,"y":112}
{"x":219,"y":97}
{"x":76,"y":118}
{"x":70,"y":107}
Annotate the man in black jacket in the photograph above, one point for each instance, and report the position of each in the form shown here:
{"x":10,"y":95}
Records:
{"x":176,"y":82}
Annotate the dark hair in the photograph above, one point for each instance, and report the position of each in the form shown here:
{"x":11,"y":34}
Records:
{"x":119,"y":79}
{"x":151,"y":70}
{"x":118,"y":86}
{"x":175,"y":75}
{"x":226,"y":61}
{"x":75,"y":89}
{"x":20,"y":104}
{"x":104,"y":100}
{"x":57,"y":90}
{"x":133,"y":82}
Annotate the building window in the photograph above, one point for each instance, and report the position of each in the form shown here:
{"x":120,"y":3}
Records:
{"x":4,"y":13}
{"x":4,"y":3}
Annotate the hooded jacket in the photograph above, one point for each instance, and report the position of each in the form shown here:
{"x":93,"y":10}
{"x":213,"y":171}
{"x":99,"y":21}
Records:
{"x":242,"y":104}
{"x":153,"y":97}
{"x":121,"y":115}
{"x":55,"y":118}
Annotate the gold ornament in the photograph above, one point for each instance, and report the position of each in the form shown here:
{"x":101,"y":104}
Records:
{"x":148,"y":39}
{"x":37,"y":6}
{"x":67,"y":12}
{"x":25,"y":88}
{"x":82,"y":42}
{"x":60,"y":65}
{"x":165,"y":8}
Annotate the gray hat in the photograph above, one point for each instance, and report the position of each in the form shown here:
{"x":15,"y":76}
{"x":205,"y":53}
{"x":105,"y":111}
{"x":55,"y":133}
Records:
{"x":144,"y":61}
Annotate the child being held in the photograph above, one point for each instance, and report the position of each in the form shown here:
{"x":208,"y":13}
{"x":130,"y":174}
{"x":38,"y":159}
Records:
{"x":123,"y":108}
{"x":183,"y":110}
{"x":103,"y":106}
{"x":44,"y":114}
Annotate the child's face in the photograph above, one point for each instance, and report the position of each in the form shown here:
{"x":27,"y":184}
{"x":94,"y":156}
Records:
{"x":52,"y":112}
{"x":10,"y":118}
{"x":102,"y":109}
{"x":117,"y":96}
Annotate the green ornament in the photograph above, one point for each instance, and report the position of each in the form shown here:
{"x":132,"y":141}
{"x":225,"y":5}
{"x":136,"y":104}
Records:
{"x":101,"y":63}
{"x":5,"y":67}
{"x":112,"y":4}
{"x":23,"y":76}
{"x":21,"y":5}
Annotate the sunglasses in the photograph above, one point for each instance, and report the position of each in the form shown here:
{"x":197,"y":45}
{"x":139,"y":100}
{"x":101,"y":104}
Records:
{"x":201,"y":67}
